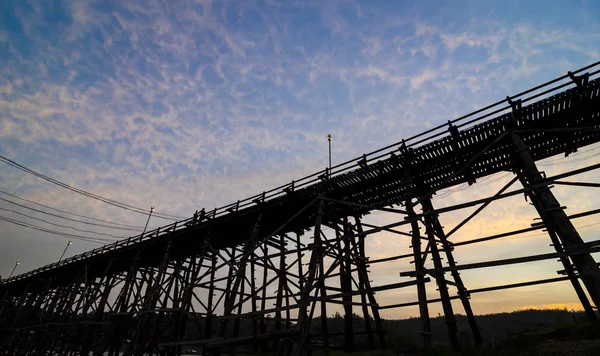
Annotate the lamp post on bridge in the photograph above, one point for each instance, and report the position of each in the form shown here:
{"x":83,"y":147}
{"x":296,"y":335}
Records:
{"x":65,"y":250}
{"x":147,"y":221}
{"x":329,"y":138}
{"x":14,"y":268}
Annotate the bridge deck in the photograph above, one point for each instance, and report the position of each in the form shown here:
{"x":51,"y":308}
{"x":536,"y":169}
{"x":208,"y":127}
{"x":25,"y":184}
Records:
{"x":549,"y":126}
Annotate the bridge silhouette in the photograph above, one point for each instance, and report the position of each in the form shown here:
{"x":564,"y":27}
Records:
{"x":258,"y":275}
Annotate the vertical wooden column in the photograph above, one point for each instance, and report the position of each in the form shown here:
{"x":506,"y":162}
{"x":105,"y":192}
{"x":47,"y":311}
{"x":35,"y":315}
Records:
{"x":228,"y":299}
{"x":211,"y":295}
{"x":41,"y":333}
{"x":65,"y":312}
{"x":430,"y":223}
{"x":118,"y":332}
{"x":248,"y":246}
{"x":280,"y":285}
{"x":253,"y":298}
{"x":103,"y":288}
{"x":238,"y":286}
{"x":263,"y":303}
{"x":183,"y":299}
{"x":346,"y":285}
{"x":462,"y":290}
{"x":299,"y":255}
{"x":361,"y":262}
{"x":421,"y":290}
{"x":323,"y":295}
{"x":585,"y":303}
{"x":313,"y":266}
{"x":140,"y":340}
{"x":364,"y":277}
{"x":556,"y":220}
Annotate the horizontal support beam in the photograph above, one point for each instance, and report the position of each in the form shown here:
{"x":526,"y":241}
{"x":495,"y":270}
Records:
{"x":394,"y":231}
{"x":377,"y":289}
{"x":482,"y":290}
{"x":536,"y":226}
{"x":329,"y":299}
{"x":507,"y":261}
{"x":562,"y":271}
{"x":578,"y":184}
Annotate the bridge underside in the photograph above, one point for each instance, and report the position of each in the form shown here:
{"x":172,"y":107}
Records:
{"x":264,"y":278}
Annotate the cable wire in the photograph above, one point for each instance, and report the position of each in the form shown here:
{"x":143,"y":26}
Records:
{"x":75,"y":220}
{"x":86,"y":193}
{"x":576,"y":159}
{"x":70,"y":213}
{"x":59,"y":225}
{"x":64,"y":234}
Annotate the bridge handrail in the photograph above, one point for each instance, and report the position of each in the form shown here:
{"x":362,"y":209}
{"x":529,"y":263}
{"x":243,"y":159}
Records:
{"x":335,"y":170}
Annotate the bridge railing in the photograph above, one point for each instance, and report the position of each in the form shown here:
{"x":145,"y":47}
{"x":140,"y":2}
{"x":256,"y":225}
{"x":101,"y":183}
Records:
{"x":500,"y":107}
{"x":163,"y":230}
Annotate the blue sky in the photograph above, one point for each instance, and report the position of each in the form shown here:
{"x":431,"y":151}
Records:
{"x":183,"y":105}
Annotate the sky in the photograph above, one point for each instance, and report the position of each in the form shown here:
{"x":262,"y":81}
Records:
{"x":184,"y":105}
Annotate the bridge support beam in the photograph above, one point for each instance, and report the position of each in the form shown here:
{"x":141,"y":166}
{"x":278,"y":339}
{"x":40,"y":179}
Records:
{"x":367,"y":293}
{"x":140,"y":340}
{"x":462,"y":290}
{"x":346,"y":237}
{"x":450,"y":319}
{"x":556,"y":220}
{"x":435,"y":229}
{"x":569,"y":270}
{"x":102,"y":292}
{"x":313,"y":266}
{"x":420,"y":275}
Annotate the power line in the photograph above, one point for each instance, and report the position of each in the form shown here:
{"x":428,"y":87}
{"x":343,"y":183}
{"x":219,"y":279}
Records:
{"x":86,"y":193}
{"x":70,"y":213}
{"x":63,"y":217}
{"x":59,"y":225}
{"x":64,"y":234}
{"x":576,"y":159}
{"x":476,"y":185}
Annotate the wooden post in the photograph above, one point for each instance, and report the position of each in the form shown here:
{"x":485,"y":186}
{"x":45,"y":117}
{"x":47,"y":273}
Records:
{"x":462,"y":291}
{"x":421,"y":291}
{"x":555,"y":219}
{"x":98,"y":313}
{"x":280,"y":285}
{"x":242,"y":278}
{"x":362,"y":285}
{"x":585,"y":303}
{"x":323,"y":295}
{"x":263,"y":305}
{"x":253,"y":299}
{"x":303,"y":318}
{"x":346,"y":285}
{"x":140,"y":339}
{"x":362,"y":271}
{"x":211,"y":295}
{"x":430,"y":221}
{"x":227,"y":300}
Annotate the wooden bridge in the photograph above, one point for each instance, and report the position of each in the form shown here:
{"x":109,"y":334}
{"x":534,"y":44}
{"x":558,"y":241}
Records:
{"x":204,"y":283}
